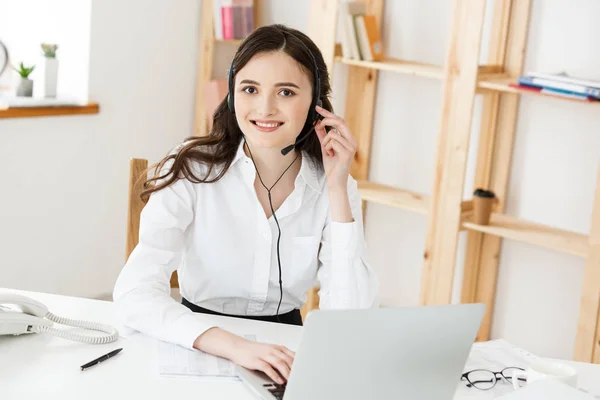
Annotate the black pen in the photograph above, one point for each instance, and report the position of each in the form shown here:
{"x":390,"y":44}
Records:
{"x":100,"y":359}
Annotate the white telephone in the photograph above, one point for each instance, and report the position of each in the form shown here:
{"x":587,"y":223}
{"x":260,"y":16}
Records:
{"x":20,"y":315}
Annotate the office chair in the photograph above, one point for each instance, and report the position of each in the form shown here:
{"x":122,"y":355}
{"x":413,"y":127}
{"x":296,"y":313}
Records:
{"x":137,"y":167}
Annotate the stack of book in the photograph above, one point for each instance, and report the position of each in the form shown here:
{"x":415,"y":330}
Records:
{"x":360,"y":33}
{"x":233,"y":19}
{"x":560,"y":84}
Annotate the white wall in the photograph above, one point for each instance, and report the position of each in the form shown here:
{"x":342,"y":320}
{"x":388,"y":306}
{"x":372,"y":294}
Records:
{"x":75,"y":216}
{"x":25,"y":25}
{"x":65,"y":180}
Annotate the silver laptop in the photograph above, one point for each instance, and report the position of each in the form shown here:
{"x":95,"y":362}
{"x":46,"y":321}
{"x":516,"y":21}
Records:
{"x":381,"y":353}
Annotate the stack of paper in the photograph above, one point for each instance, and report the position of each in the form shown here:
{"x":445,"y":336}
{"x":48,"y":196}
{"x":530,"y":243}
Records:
{"x":547,"y":389}
{"x":177,"y":360}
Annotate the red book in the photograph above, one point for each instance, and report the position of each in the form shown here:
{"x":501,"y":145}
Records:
{"x":227,"y":18}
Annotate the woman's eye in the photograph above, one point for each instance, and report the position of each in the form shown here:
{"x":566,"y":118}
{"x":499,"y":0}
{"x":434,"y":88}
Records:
{"x":287,"y":93}
{"x":249,"y":90}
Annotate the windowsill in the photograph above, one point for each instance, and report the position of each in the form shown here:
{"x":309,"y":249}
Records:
{"x":30,"y":112}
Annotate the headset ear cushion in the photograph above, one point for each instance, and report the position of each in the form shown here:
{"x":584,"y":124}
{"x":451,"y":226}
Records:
{"x":230,"y":104}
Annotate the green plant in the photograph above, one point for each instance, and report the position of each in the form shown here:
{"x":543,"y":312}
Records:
{"x":24,"y":71}
{"x":49,"y":49}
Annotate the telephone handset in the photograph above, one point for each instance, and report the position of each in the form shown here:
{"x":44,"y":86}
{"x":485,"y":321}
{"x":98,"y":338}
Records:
{"x":21,"y":315}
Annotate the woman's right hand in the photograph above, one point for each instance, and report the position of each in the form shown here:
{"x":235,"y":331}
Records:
{"x":275,"y":361}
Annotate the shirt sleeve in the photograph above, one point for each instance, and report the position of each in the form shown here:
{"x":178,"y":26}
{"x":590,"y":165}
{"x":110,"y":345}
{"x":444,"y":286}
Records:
{"x":142,"y":292}
{"x":345,"y":275}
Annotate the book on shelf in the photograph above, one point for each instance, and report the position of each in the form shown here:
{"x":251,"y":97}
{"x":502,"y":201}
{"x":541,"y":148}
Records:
{"x":233,"y":19}
{"x":552,"y":92}
{"x":360,"y":34}
{"x":561,"y":84}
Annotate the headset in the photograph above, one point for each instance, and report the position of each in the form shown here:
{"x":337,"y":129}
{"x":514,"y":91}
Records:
{"x":312,"y":118}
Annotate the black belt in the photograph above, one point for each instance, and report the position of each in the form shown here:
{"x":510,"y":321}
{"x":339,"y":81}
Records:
{"x":291,"y":318}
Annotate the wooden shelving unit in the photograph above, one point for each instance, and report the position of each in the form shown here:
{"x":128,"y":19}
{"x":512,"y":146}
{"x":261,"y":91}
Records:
{"x":463,"y":78}
{"x":30,"y":112}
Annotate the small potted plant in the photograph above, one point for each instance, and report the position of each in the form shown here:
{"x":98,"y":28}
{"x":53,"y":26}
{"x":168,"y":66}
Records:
{"x":50,"y":69}
{"x":25,"y":87}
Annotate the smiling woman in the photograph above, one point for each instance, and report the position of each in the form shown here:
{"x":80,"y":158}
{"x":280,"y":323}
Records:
{"x":270,"y":52}
{"x":259,"y":210}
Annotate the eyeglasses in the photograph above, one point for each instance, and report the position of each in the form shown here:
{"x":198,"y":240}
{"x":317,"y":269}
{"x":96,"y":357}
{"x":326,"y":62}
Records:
{"x":485,"y":379}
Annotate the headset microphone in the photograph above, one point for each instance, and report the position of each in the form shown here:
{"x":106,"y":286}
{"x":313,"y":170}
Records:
{"x":318,"y":117}
{"x":289,"y":148}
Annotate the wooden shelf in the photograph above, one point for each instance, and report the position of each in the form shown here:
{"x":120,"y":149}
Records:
{"x":397,"y":66}
{"x":528,"y":232}
{"x":501,"y":83}
{"x":390,"y":196}
{"x":30,"y":112}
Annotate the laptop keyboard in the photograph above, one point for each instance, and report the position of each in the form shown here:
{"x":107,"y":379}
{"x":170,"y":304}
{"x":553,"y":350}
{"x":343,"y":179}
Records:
{"x":275,"y":389}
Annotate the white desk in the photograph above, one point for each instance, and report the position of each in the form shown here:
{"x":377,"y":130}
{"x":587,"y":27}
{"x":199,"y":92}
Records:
{"x":48,"y":367}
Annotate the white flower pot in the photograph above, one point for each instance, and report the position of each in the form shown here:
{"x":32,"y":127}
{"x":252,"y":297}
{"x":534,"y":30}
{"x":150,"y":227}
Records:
{"x":25,"y":88}
{"x":50,"y":76}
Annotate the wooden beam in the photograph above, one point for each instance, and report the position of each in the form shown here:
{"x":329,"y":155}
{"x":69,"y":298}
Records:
{"x":492,"y":68}
{"x":498,"y":122}
{"x":460,"y":81}
{"x":322,"y":29}
{"x":205,"y":66}
{"x":137,"y":167}
{"x":359,"y":114}
{"x":587,"y":346}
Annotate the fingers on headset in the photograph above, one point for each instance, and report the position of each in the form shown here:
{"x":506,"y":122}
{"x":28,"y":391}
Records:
{"x":326,"y":145}
{"x":337,"y":122}
{"x":324,"y":112}
{"x":335,"y":137}
{"x":342,"y":150}
{"x":320,"y":132}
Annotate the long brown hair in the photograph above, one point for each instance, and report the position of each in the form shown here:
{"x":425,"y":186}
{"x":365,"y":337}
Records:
{"x":218,"y":149}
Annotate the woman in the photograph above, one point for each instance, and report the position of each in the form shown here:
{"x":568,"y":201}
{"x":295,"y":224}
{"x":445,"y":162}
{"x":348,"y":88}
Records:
{"x":250,"y":227}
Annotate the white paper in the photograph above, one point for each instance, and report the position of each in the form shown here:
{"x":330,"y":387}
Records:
{"x":547,"y":389}
{"x":496,"y":355}
{"x":177,"y":360}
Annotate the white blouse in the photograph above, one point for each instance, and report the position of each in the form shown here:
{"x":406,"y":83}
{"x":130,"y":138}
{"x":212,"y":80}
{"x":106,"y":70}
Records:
{"x":218,"y":238}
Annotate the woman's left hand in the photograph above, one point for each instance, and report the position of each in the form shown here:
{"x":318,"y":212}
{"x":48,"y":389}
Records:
{"x":338,"y":147}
